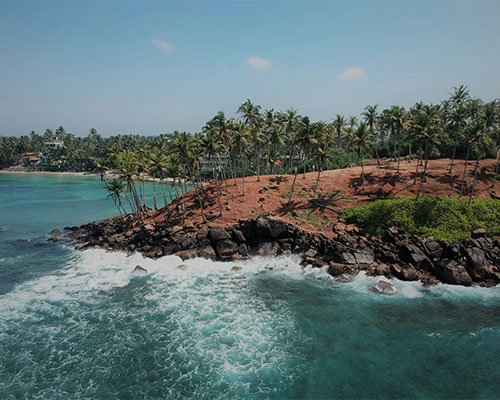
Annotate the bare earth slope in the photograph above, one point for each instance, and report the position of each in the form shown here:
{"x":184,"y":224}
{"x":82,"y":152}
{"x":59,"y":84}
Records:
{"x":337,"y":189}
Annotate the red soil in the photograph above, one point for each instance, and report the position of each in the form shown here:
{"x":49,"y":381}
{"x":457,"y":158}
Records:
{"x":338,"y":189}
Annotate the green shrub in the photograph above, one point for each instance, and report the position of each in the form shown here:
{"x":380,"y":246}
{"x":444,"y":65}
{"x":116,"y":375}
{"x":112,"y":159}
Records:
{"x":441,"y":217}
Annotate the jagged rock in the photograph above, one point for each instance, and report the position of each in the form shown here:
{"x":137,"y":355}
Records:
{"x":346,"y":257}
{"x":176,"y":229}
{"x":382,"y":269}
{"x":311,"y":253}
{"x":412,"y":254}
{"x":235,"y":268}
{"x":207,"y":252}
{"x":171,"y":248}
{"x":226,"y":249}
{"x":318,"y":263}
{"x":138,"y":270}
{"x":336,"y":269}
{"x":238,"y":236}
{"x":202,"y":237}
{"x":477,"y":265}
{"x":53,"y":232}
{"x":186,"y":254}
{"x":218,"y":233}
{"x":148,"y":228}
{"x":405,"y":273}
{"x":242,"y":250}
{"x":53,"y":239}
{"x":364,"y":255}
{"x":277,"y":228}
{"x":182,"y":267}
{"x":345,"y":278}
{"x":477,"y":233}
{"x":268,"y":249}
{"x":433,"y":248}
{"x":383,"y":287}
{"x":454,"y":273}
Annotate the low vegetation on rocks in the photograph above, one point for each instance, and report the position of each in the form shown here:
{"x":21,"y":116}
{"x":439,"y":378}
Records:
{"x":437,"y":216}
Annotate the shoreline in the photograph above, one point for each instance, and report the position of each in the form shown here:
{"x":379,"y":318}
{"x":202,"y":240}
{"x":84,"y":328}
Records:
{"x":90,"y":174}
{"x":392,"y":255}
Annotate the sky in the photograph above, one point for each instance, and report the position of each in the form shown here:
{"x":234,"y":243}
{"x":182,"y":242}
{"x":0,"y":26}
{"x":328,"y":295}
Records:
{"x":153,"y":67}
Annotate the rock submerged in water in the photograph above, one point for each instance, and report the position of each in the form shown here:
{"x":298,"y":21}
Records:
{"x":138,"y":270}
{"x":383,"y":287}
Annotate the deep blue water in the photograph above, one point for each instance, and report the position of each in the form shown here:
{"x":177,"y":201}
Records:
{"x":79,"y":325}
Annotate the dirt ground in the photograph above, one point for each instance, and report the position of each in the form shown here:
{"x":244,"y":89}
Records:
{"x":337,"y":189}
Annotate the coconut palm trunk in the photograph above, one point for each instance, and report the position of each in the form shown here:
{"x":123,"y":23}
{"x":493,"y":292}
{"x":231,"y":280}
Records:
{"x":293,"y":185}
{"x":422,"y":179}
{"x":363,"y":172}
{"x":475,"y":176}
{"x":453,"y":158}
{"x":496,"y":170}
{"x":465,"y":171}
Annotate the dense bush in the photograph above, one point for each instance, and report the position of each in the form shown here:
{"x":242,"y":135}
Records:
{"x":436,"y":216}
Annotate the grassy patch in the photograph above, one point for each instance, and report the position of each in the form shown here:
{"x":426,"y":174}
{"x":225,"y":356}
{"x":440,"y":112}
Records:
{"x":441,"y":217}
{"x":318,"y":222}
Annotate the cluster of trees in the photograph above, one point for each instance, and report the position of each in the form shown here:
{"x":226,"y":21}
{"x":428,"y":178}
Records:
{"x":260,"y":141}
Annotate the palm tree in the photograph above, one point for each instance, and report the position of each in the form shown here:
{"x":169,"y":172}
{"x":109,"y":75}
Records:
{"x":292,"y":125}
{"x":339,"y":124}
{"x":429,"y":128}
{"x":157,"y":164}
{"x":320,"y":133}
{"x":241,"y":139}
{"x":101,"y":168}
{"x":481,"y":139}
{"x":456,"y":114}
{"x":251,"y":116}
{"x":370,"y":114}
{"x":128,"y":168}
{"x":364,"y":140}
{"x":115,"y":188}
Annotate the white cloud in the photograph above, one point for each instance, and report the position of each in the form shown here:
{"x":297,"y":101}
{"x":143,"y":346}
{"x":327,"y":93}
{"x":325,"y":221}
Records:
{"x":352,"y":73}
{"x":164,"y":46}
{"x":261,"y":63}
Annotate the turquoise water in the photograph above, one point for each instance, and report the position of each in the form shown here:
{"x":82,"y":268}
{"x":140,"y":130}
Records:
{"x":79,"y":325}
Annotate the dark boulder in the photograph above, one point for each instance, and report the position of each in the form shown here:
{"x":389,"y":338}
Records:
{"x":364,"y":255}
{"x":412,"y":254}
{"x":477,"y":265}
{"x":138,"y":270}
{"x":54,"y":232}
{"x":218,"y":233}
{"x":226,"y":249}
{"x":269,"y":249}
{"x":454,"y":273}
{"x":242,"y":250}
{"x":478,"y":233}
{"x":238,"y":236}
{"x":433,"y":248}
{"x":207,"y":252}
{"x":405,"y":273}
{"x":336,"y":269}
{"x":186,"y":254}
{"x":383,"y":287}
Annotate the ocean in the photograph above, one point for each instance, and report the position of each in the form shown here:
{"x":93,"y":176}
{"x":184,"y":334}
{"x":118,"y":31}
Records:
{"x":80,"y":325}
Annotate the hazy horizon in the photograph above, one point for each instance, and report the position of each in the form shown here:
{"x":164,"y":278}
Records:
{"x":151,"y":68}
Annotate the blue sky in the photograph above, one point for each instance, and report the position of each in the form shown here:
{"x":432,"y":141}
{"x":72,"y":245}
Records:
{"x":154,"y":67}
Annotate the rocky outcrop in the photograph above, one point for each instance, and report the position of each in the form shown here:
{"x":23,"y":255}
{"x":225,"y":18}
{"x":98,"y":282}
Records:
{"x":392,"y":255}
